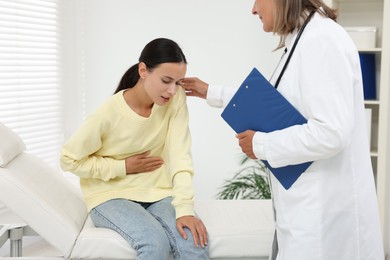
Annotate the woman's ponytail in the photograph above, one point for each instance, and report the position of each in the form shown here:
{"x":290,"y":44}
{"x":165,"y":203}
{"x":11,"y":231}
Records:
{"x":129,"y":79}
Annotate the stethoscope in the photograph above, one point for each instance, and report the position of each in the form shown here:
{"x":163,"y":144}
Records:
{"x":275,"y":247}
{"x":292,"y":50}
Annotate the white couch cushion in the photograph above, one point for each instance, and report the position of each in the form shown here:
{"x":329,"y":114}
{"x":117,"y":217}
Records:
{"x":238,"y":229}
{"x":101,"y":243}
{"x":44,"y":199}
{"x":10,"y":145}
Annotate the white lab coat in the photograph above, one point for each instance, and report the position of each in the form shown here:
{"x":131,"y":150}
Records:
{"x":330,"y":212}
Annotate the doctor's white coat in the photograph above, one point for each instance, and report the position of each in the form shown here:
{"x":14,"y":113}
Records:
{"x":330,"y":212}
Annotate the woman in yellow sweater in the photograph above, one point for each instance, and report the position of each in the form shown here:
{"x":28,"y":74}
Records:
{"x":133,"y":157}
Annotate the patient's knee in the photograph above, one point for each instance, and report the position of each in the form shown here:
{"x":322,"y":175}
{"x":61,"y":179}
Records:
{"x":153,"y":248}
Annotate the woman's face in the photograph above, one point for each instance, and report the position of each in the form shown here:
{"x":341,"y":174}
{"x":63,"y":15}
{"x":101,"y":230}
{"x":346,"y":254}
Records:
{"x":265,"y":10}
{"x":162,"y":82}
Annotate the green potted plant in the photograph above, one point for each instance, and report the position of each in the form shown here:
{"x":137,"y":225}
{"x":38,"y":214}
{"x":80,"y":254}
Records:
{"x":250,"y":182}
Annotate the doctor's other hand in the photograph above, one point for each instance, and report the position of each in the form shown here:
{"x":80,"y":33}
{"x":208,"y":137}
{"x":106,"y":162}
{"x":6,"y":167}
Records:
{"x":142,"y":163}
{"x":195,"y":87}
{"x":245,"y":142}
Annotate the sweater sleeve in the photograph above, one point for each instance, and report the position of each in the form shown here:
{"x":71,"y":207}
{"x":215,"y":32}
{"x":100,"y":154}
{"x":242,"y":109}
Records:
{"x":178,"y":146}
{"x":79,"y":154}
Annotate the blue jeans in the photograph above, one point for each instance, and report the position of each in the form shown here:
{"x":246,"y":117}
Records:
{"x":150,"y":228}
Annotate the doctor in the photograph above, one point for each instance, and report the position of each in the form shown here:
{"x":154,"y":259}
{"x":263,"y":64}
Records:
{"x":330,"y":212}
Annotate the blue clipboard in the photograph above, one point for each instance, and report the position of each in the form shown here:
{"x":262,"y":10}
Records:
{"x":258,"y":106}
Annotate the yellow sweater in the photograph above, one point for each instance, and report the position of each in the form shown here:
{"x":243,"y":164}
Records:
{"x":97,"y":150}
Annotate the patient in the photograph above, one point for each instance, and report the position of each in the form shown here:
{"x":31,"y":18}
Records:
{"x":133,"y":157}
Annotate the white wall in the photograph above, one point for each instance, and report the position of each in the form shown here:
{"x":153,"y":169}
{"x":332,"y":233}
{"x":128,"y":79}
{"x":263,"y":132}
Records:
{"x":221,"y":40}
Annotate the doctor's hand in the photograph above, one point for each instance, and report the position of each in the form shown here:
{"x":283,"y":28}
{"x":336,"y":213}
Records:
{"x":195,"y":87}
{"x":245,"y":142}
{"x":142,"y":163}
{"x":197,"y":228}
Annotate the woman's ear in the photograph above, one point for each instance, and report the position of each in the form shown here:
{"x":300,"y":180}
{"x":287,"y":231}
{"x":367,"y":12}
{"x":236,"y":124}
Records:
{"x":142,"y":70}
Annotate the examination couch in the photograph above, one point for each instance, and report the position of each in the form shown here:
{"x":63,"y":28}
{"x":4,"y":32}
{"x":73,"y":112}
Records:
{"x":52,"y":207}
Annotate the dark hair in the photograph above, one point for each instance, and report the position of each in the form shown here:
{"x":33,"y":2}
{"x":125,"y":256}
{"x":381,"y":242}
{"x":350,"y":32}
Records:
{"x":157,"y":51}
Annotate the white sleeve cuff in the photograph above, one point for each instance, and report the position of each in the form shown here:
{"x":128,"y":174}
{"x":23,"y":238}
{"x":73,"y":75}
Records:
{"x":219,"y":96}
{"x":214,"y":96}
{"x":258,"y":145}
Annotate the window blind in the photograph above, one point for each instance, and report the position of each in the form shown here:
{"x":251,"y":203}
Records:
{"x":30,"y":82}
